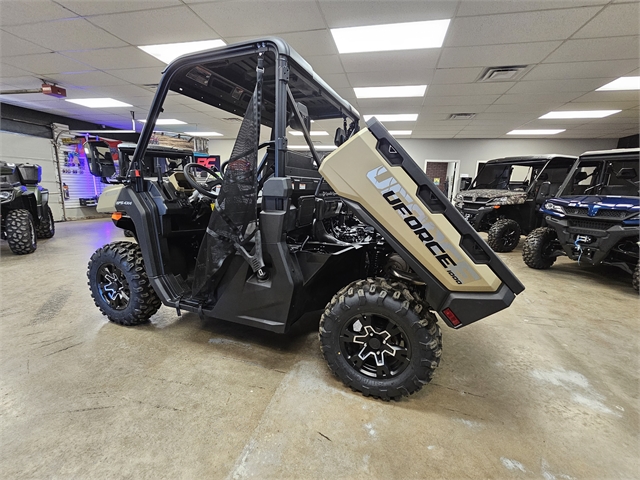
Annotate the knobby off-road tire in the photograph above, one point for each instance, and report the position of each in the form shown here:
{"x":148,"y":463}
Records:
{"x":537,"y":248}
{"x":380,"y":339}
{"x":47,"y":228}
{"x":119,"y":284}
{"x":504,"y":235}
{"x":636,"y":278}
{"x":21,"y":232}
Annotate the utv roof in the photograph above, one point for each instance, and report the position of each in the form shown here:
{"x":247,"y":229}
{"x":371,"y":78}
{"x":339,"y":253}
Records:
{"x":613,"y":152}
{"x":224,"y":77}
{"x":529,"y":159}
{"x":158,"y":150}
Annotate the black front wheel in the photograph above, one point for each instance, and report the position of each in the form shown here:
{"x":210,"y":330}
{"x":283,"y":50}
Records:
{"x":504,"y":235}
{"x":21,"y":232}
{"x":380,"y":339}
{"x":119,"y":284}
{"x":538,"y":249}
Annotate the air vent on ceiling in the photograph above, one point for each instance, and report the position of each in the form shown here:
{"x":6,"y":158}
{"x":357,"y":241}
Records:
{"x":502,"y":74}
{"x":232,"y":119}
{"x":150,"y":86}
{"x":462,"y":116}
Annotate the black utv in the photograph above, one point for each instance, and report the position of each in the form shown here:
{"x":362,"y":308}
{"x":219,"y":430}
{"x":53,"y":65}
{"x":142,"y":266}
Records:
{"x":25,"y":212}
{"x":361,"y":235}
{"x":505,"y":197}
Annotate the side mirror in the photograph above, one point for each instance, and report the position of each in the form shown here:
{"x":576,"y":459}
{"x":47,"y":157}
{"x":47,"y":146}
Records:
{"x":544,"y":191}
{"x":99,"y":165}
{"x":340,"y":137}
{"x":304,"y":113}
{"x":627,"y":173}
{"x":580,"y":176}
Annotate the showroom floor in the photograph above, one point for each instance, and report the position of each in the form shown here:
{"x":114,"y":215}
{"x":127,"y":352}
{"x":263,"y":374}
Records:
{"x":546,"y":389}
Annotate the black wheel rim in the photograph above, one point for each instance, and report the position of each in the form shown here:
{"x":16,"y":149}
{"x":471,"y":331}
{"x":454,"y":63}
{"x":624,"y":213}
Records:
{"x":113,"y":286}
{"x":375,"y":346}
{"x":510,"y":238}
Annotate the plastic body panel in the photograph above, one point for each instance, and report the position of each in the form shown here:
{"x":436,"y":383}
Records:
{"x":390,"y":192}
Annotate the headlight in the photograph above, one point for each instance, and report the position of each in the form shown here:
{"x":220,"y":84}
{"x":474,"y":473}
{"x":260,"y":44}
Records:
{"x":458,"y":198}
{"x":553,"y":207}
{"x":5,"y":196}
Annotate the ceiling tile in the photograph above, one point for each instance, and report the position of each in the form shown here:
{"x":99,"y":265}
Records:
{"x":445,"y":76}
{"x":339,"y":13}
{"x":31,"y":11}
{"x":115,"y":58}
{"x":10,"y":45}
{"x":253,"y":17}
{"x":630,"y":96}
{"x":517,"y":27}
{"x":495,"y":88}
{"x":560,"y":97}
{"x":449,"y":109}
{"x":614,"y":20}
{"x":601,"y":105}
{"x":461,"y":100}
{"x":7,"y":70}
{"x":488,"y":7}
{"x":325,"y":64}
{"x":539,"y":108}
{"x":387,"y":105}
{"x":383,"y":78}
{"x":22,"y":82}
{"x":316,"y":42}
{"x":85,"y":79}
{"x":590,"y":49}
{"x":147,"y":75}
{"x":569,"y":70}
{"x":406,"y":60}
{"x":496,"y":55}
{"x":337,"y":80}
{"x":84,"y":7}
{"x":166,"y":25}
{"x":553,"y":86}
{"x":46,"y":63}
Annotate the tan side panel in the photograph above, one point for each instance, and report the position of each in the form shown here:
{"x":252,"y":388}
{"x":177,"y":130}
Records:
{"x":108,"y":198}
{"x":358,"y":172}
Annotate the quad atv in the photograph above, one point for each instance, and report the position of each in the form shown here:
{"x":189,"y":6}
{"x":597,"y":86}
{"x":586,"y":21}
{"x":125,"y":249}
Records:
{"x":505,"y":197}
{"x":361,"y":235}
{"x":594,"y":219}
{"x":26,"y":215}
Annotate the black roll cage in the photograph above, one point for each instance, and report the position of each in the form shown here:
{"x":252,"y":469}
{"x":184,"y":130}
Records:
{"x":285,"y":59}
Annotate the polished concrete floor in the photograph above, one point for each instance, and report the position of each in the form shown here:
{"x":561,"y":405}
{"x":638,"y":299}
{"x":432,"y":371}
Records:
{"x":546,"y":389}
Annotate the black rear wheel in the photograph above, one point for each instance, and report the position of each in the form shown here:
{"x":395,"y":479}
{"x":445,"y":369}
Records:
{"x":21,"y":232}
{"x":538,"y":248}
{"x":380,"y":339}
{"x":119,"y":284}
{"x":504,"y":235}
{"x":47,"y":228}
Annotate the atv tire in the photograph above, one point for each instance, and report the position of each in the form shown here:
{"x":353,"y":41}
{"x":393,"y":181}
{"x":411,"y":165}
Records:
{"x":504,"y":235}
{"x":47,"y":228}
{"x":536,"y":248}
{"x":380,"y":339}
{"x":21,"y":232}
{"x":119,"y":284}
{"x":636,"y":278}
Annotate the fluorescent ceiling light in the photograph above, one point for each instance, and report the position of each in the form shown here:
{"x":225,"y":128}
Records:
{"x":535,"y":132}
{"x":394,"y":117}
{"x":314,"y":133}
{"x":204,"y":134}
{"x":623,"y":83}
{"x":98,"y":102}
{"x":394,"y":36}
{"x":391,"y":92}
{"x":400,"y":132}
{"x":170,"y":51}
{"x":320,"y":148}
{"x":166,"y":121}
{"x":579,"y":114}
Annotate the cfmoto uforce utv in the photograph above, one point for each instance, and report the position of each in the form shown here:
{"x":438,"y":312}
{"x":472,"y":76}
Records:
{"x":25,"y":212}
{"x":361,"y":234}
{"x":505,"y":198}
{"x":594,"y":219}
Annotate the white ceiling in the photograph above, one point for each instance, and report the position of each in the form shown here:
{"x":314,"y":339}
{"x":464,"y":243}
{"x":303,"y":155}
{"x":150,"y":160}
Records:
{"x":572,"y":47}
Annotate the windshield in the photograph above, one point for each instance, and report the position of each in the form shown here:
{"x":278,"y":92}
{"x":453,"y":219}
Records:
{"x":603,"y":177}
{"x":504,"y":177}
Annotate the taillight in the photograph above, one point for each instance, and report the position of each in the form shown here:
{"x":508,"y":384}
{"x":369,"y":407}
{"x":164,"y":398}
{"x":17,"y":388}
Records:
{"x":452,"y":317}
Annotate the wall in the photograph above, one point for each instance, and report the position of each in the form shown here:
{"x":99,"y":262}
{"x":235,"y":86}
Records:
{"x":470,"y":151}
{"x":16,"y":148}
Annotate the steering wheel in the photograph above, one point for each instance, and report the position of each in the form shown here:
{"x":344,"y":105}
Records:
{"x":199,"y":186}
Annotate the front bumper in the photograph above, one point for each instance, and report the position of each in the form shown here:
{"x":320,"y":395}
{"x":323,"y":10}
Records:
{"x":478,"y":217}
{"x":589,"y":243}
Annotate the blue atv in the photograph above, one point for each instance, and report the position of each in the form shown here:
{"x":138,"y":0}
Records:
{"x":595,"y":218}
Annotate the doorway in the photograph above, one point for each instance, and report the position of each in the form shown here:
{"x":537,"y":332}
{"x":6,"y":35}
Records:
{"x":445,"y":174}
